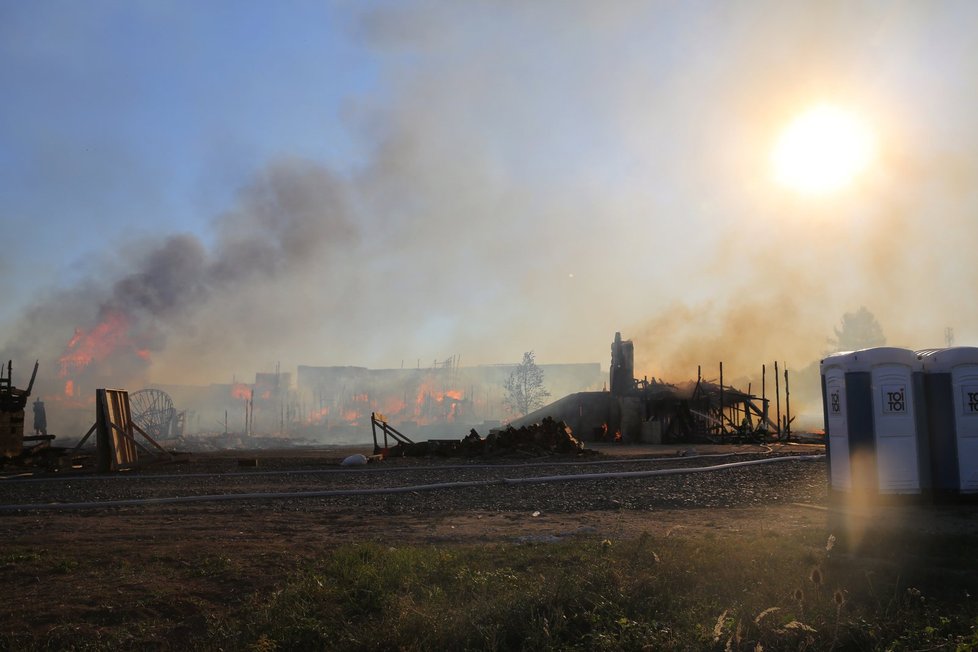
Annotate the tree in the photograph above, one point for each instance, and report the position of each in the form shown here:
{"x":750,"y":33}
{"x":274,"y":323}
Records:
{"x":859,"y":330}
{"x":524,"y":387}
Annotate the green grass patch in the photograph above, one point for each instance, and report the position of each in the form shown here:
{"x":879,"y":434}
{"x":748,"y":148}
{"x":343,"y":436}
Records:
{"x":647,"y":593}
{"x":738,"y":591}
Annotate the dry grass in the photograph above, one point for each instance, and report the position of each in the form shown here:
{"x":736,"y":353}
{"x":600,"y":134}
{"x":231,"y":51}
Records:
{"x":749,"y":590}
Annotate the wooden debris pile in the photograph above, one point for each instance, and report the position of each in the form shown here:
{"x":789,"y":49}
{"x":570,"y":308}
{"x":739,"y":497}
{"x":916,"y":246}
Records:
{"x":548,"y":437}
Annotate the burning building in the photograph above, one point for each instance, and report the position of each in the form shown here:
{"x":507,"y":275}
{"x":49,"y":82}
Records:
{"x":334,"y":403}
{"x":440,"y":400}
{"x":653,"y":411}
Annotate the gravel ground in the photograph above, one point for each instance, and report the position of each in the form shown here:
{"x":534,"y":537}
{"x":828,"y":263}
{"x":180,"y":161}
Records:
{"x":794,"y":480}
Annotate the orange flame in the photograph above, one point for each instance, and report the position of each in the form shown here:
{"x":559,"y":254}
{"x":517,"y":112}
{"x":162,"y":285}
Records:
{"x":107,"y":336}
{"x":70,"y":389}
{"x":240,"y":390}
{"x":393,"y":406}
{"x":317,"y":416}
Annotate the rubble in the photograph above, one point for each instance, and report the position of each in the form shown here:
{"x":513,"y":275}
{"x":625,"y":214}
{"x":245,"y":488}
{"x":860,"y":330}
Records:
{"x":548,"y":437}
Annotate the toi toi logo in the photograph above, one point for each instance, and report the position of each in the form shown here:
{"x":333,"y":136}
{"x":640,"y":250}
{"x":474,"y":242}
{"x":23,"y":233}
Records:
{"x":973,"y":401}
{"x":835,"y":403}
{"x":895,"y":401}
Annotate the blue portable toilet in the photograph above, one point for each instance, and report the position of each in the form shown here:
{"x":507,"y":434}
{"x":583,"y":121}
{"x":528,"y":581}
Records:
{"x":951,"y":386}
{"x":873,"y":404}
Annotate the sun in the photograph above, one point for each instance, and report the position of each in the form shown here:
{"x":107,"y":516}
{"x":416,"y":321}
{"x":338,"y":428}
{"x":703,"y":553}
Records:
{"x":822,"y":150}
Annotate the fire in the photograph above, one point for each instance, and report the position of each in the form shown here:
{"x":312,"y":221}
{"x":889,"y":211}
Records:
{"x":240,"y":390}
{"x":109,"y":338}
{"x":434,"y":404}
{"x":393,"y":406}
{"x":426,"y":393}
{"x":108,"y":335}
{"x":318,"y":416}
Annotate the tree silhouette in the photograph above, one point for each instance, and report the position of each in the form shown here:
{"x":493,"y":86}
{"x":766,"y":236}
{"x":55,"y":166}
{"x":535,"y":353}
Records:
{"x":859,"y":330}
{"x":524,"y":387}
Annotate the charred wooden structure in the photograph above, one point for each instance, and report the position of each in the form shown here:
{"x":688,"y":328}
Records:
{"x":12,"y":404}
{"x":654,"y":411}
{"x":545,"y":438}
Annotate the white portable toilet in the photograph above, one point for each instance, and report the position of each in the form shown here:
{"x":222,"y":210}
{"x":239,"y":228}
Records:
{"x":951,"y":384}
{"x":873,"y":405}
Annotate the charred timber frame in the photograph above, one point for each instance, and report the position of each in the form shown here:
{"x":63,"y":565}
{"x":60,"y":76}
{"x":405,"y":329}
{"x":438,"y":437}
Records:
{"x":378,"y":420}
{"x":12,"y":404}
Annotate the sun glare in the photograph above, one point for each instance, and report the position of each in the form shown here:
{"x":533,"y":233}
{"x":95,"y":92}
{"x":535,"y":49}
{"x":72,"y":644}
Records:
{"x":822,"y":150}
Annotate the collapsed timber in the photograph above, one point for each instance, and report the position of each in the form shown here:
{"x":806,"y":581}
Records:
{"x":633,"y":411}
{"x":548,"y":436}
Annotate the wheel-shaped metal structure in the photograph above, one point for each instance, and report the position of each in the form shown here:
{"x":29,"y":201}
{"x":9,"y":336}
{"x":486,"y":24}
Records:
{"x":152,"y":410}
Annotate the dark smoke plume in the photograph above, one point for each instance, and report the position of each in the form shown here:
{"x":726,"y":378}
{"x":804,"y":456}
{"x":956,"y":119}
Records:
{"x":108,"y":332}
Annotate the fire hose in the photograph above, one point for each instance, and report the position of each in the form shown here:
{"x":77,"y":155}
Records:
{"x":393,"y":469}
{"x":330,"y":493}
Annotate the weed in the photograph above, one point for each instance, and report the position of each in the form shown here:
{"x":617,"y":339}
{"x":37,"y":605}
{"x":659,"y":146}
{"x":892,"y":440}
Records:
{"x":675,"y":590}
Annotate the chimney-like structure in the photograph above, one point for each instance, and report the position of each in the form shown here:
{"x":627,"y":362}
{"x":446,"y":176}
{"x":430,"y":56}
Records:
{"x":622,"y":366}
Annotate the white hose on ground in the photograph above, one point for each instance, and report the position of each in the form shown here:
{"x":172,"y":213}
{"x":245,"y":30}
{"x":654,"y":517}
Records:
{"x":328,"y":493}
{"x":391,"y":469}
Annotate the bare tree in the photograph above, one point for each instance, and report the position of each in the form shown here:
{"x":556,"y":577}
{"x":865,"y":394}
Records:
{"x":524,"y":387}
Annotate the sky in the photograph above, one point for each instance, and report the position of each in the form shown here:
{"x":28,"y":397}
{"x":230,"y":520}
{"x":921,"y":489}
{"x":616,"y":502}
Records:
{"x":194,"y":191}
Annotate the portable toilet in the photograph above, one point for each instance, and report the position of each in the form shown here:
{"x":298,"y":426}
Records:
{"x":873,"y":403}
{"x":951,"y":386}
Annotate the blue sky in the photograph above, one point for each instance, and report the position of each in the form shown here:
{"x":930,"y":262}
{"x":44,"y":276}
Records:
{"x":365,"y":183}
{"x":146,"y":117}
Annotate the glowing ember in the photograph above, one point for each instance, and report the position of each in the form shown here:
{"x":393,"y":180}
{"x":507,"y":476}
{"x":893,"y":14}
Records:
{"x":70,"y":388}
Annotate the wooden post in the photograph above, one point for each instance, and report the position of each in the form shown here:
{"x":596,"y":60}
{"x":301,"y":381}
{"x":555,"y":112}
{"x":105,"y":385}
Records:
{"x":787,"y":406}
{"x":746,"y":409}
{"x":373,"y":429}
{"x":722,"y":427}
{"x":777,"y":396}
{"x":764,"y":395}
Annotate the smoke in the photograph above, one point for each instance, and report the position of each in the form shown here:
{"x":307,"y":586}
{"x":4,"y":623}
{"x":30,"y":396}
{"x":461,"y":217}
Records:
{"x":186,"y":312}
{"x":539,"y":176}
